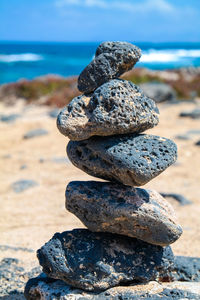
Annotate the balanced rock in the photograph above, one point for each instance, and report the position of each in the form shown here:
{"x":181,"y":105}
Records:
{"x":112,"y":207}
{"x":129,"y":159}
{"x":112,"y":59}
{"x":116,"y":107}
{"x":98,"y":261}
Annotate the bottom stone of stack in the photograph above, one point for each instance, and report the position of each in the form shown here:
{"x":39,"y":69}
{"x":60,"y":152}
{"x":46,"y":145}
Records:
{"x":98,"y":261}
{"x":44,"y":288}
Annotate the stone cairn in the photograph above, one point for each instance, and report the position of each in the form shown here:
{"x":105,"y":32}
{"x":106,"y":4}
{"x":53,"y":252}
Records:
{"x":129,"y":228}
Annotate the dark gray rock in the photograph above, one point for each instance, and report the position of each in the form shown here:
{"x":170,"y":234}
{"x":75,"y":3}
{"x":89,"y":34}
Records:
{"x":13,"y":277}
{"x":22,"y":167}
{"x":193,"y":114}
{"x":54,"y":113}
{"x":22,"y":185}
{"x":112,"y":59}
{"x":186,"y":269}
{"x":12,"y":248}
{"x":98,"y":261}
{"x":197,"y":143}
{"x":183,"y":137}
{"x":35,"y":132}
{"x":178,"y":197}
{"x":111,"y":207}
{"x":9,"y":118}
{"x":159,"y":92}
{"x":130,"y":159}
{"x":116,"y":107}
{"x":44,"y":288}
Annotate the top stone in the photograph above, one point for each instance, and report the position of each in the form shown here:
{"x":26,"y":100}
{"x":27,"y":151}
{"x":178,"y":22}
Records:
{"x":111,"y":60}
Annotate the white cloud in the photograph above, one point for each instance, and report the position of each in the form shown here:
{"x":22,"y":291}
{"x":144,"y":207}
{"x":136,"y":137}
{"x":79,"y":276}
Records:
{"x":143,"y":6}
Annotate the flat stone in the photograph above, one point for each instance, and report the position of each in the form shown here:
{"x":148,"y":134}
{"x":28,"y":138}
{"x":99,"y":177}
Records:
{"x":193,"y":114}
{"x":178,"y":197}
{"x":44,"y":288}
{"x":116,"y":107}
{"x":98,"y":261}
{"x":9,"y":118}
{"x":112,"y":59}
{"x":22,"y":185}
{"x":159,"y":92}
{"x":130,"y":159}
{"x":35,"y":132}
{"x":111,"y":207}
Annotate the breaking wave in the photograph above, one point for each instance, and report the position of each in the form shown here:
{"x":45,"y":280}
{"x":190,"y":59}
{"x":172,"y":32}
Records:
{"x":10,"y":58}
{"x":164,"y":56}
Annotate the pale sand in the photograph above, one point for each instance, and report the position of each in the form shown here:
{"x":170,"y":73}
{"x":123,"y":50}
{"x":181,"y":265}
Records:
{"x":30,"y":218}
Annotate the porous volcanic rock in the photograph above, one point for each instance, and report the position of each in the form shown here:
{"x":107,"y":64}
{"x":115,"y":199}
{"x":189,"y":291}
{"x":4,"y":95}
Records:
{"x":98,"y":261}
{"x":112,"y":207}
{"x":112,"y":59}
{"x":116,"y":107}
{"x":44,"y":288}
{"x":129,"y":159}
{"x":186,"y":268}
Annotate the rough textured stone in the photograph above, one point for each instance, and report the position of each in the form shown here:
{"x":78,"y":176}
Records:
{"x":98,"y":261}
{"x":44,"y":288}
{"x":186,"y":268}
{"x":111,"y":207}
{"x":116,"y":107}
{"x":112,"y":59}
{"x":13,"y":277}
{"x":130,"y":159}
{"x":159,"y":92}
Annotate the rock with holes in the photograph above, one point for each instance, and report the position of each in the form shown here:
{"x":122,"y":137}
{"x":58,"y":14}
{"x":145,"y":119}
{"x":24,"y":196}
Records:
{"x":115,"y":208}
{"x":112,"y":59}
{"x":44,"y":288}
{"x":130,"y":159}
{"x":116,"y":107}
{"x":98,"y":261}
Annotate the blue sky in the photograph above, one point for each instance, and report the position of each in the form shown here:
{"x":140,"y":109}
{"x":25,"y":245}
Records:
{"x":97,"y":20}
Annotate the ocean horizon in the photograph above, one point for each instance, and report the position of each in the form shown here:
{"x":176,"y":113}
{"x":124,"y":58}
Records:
{"x":28,"y":60}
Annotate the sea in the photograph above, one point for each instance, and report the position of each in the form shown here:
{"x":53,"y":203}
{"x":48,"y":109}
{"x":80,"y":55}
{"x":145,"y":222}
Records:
{"x":20,"y":60}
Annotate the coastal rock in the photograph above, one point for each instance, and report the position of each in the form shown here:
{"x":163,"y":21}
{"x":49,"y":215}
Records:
{"x":159,"y":92}
{"x":35,"y":132}
{"x":115,"y":208}
{"x":44,"y":288}
{"x":22,"y":185}
{"x":116,"y":107}
{"x":112,"y":59}
{"x":193,"y":114}
{"x":129,"y":159}
{"x":98,"y":261}
{"x":186,"y":268}
{"x":178,"y":197}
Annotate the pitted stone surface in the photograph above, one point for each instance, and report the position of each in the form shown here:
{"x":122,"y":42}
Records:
{"x":129,"y":159}
{"x":42,"y":288}
{"x":116,"y":107}
{"x":115,"y":208}
{"x":112,"y":59}
{"x":98,"y":261}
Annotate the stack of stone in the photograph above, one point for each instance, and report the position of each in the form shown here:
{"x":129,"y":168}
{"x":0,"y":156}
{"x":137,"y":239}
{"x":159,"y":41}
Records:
{"x":129,"y":228}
